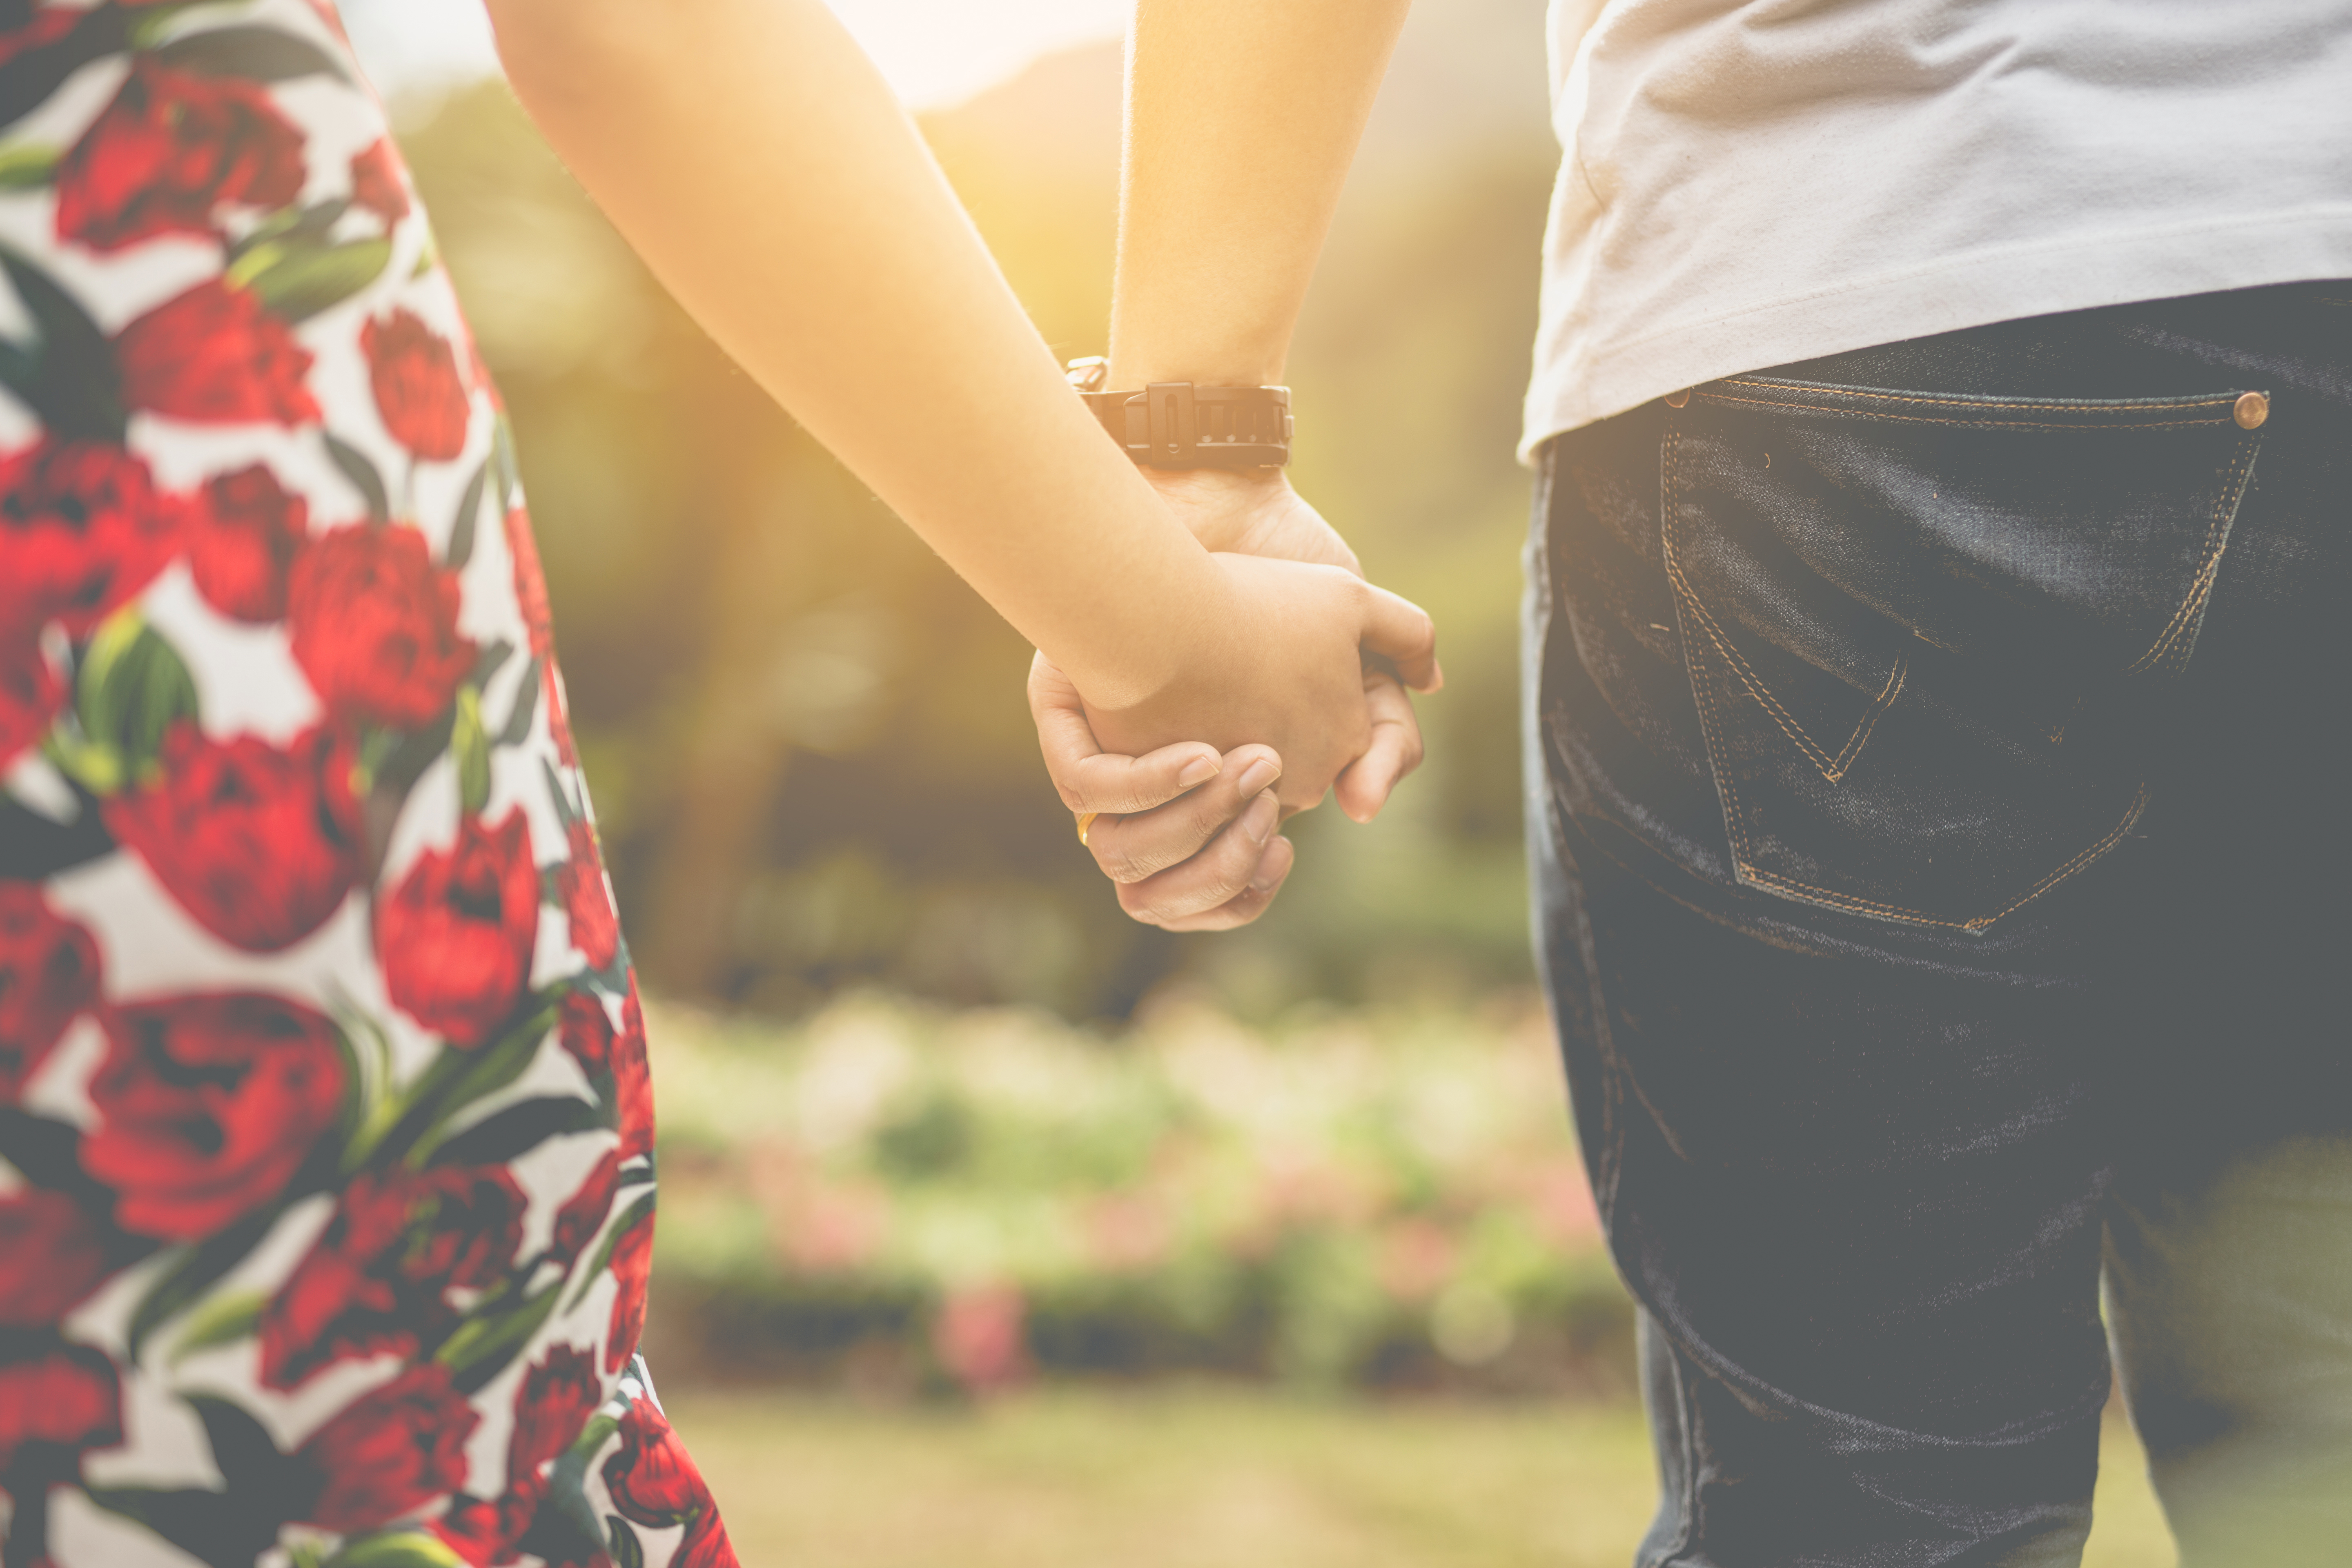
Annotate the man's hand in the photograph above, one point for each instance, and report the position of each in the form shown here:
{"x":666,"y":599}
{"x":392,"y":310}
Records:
{"x":1178,"y":838}
{"x":1260,"y":514}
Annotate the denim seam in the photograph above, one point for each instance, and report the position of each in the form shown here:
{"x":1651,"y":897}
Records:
{"x":2217,"y":541}
{"x":1834,"y":769}
{"x":1785,"y":407}
{"x":2084,"y":406}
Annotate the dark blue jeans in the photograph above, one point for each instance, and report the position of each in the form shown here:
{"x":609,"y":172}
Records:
{"x":1938,"y":795}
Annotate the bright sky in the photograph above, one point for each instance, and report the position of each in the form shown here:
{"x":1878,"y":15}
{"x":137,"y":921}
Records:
{"x":935,"y":52}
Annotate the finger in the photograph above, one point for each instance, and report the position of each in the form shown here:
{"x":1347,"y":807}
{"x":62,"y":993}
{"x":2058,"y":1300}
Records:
{"x":1401,"y":631}
{"x":1130,"y":848}
{"x":1214,"y":877}
{"x":1395,"y":750}
{"x":1273,"y":870}
{"x":1091,"y":779}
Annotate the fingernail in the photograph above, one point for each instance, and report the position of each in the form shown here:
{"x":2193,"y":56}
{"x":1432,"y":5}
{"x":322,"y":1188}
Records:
{"x":1199,"y":771}
{"x":1256,"y":776}
{"x":1271,"y":866}
{"x":1259,"y":820}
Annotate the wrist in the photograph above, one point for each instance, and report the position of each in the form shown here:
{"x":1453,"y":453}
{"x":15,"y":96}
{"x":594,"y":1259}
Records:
{"x":1219,"y":506}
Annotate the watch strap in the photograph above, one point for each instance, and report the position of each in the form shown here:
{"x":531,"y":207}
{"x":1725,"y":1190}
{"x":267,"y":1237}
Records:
{"x":1179,"y":424}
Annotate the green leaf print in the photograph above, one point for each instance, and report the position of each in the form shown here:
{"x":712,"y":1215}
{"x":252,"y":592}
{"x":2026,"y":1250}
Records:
{"x":131,"y":687}
{"x":626,"y":1552}
{"x":485,"y":1345}
{"x":298,"y":282}
{"x":396,"y":1549}
{"x":461,"y":527}
{"x":222,"y":1320}
{"x":28,"y":166}
{"x":254,"y":54}
{"x":354,"y":466}
{"x":469,"y":748}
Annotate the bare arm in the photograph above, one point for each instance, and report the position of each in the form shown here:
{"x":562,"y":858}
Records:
{"x":759,"y":164}
{"x":1241,"y":122}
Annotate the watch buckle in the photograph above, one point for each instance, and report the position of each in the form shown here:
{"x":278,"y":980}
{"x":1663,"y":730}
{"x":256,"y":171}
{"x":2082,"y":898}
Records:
{"x":1171,"y":423}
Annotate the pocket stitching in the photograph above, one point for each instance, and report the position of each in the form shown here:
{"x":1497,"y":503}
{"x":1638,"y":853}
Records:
{"x":1735,"y":816}
{"x":2217,"y":541}
{"x":2228,"y":400}
{"x":1834,"y":769}
{"x":1846,"y":901}
{"x":1971,"y":424}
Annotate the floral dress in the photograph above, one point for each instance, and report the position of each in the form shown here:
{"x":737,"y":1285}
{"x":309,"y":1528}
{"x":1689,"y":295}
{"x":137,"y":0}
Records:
{"x":326,"y":1178}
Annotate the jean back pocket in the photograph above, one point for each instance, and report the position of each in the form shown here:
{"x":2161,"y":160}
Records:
{"x":1925,"y":632}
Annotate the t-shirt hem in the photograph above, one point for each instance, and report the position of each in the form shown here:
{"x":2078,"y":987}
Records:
{"x":1583,"y":385}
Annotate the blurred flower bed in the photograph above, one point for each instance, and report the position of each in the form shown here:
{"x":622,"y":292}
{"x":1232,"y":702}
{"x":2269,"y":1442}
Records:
{"x":901,"y":1199}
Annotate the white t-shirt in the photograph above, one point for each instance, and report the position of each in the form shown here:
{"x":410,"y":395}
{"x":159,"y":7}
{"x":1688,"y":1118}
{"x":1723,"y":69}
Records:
{"x":1751,"y":182}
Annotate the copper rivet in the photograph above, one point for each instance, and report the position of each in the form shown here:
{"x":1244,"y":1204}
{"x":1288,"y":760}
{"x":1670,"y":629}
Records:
{"x":1677,"y":399}
{"x":2252,"y":410}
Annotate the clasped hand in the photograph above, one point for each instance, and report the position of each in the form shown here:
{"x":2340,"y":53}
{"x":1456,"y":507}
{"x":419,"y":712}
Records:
{"x":1298,"y":689}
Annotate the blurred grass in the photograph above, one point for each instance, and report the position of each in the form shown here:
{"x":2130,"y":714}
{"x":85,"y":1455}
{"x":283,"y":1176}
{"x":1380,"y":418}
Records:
{"x":1212,"y":1477}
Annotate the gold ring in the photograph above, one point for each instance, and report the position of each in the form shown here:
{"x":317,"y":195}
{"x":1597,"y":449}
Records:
{"x":1085,"y":820}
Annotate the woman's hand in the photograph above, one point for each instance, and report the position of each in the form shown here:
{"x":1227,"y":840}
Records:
{"x":1284,"y":664}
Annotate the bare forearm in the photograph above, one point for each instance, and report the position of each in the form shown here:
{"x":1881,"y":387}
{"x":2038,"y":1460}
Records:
{"x":1242,"y":120}
{"x":754,"y":158}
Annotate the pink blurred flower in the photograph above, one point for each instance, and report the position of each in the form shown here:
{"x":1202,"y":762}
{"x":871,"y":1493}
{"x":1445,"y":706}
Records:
{"x":816,"y":1226}
{"x":1128,"y":1233}
{"x":978,"y":1336}
{"x":1562,"y":1199}
{"x":1417,"y":1259}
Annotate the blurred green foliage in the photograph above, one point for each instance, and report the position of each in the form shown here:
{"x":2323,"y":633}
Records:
{"x":811,"y":759}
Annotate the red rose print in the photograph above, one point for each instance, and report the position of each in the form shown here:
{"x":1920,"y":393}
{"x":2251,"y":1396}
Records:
{"x":68,"y":1399}
{"x":379,"y":1276}
{"x":242,"y":542}
{"x":633,"y":1082}
{"x":45,"y":28}
{"x":654,"y":1482}
{"x":484,"y":1533}
{"x":652,"y":1479}
{"x":391,"y":1451}
{"x":82,"y":529}
{"x":257,"y":844}
{"x":586,"y":1030}
{"x":553,"y":1404}
{"x":376,"y":184}
{"x":529,"y":583}
{"x":48,"y":972}
{"x":417,"y":389}
{"x":375,"y":626}
{"x":587,"y":902}
{"x":558,"y":716}
{"x":632,"y":1259}
{"x":457,"y":936}
{"x":171,"y":149}
{"x":50,"y":1258}
{"x":705,"y":1544}
{"x":214,"y":355}
{"x":207,"y":1105}
{"x":583,"y":1214}
{"x":30,"y":695}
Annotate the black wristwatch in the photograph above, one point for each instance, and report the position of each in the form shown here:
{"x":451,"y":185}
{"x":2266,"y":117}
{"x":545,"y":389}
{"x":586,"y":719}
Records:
{"x":1176,"y":425}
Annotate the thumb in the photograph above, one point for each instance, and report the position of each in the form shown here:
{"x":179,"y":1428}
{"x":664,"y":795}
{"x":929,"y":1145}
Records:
{"x":1401,"y":631}
{"x":1088,"y":778}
